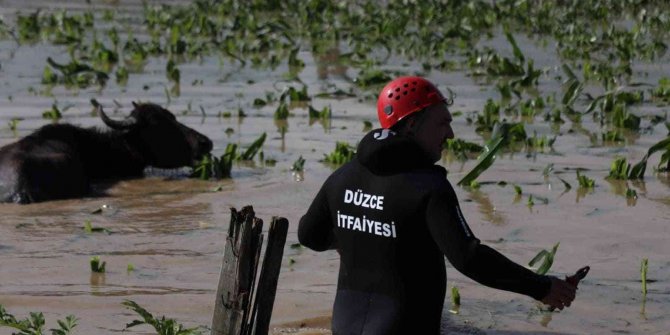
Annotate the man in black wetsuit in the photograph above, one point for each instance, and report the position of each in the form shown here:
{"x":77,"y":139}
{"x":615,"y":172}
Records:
{"x":392,"y":215}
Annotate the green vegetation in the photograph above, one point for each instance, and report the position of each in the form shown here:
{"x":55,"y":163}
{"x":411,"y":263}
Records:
{"x":643,"y":275}
{"x":88,"y":228}
{"x":216,"y":167}
{"x":53,"y":113}
{"x":620,"y":169}
{"x":547,"y":258}
{"x":13,"y":124}
{"x":585,"y":181}
{"x":251,"y":151}
{"x":220,"y":167}
{"x":281,"y":113}
{"x":295,"y":95}
{"x":297,"y":246}
{"x":662,"y":91}
{"x":323,"y":115}
{"x":462,"y":149}
{"x":96,"y":265}
{"x":455,"y":296}
{"x":343,"y":153}
{"x":367,"y":126}
{"x":501,"y":134}
{"x":73,"y":74}
{"x":35,"y":323}
{"x":637,"y":172}
{"x":530,"y":202}
{"x":298,"y":165}
{"x":162,"y":325}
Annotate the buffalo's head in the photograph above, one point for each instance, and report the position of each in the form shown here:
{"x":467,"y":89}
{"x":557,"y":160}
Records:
{"x":156,"y":135}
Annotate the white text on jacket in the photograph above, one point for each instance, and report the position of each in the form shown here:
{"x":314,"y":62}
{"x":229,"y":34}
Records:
{"x":359,"y":198}
{"x":366,"y":225}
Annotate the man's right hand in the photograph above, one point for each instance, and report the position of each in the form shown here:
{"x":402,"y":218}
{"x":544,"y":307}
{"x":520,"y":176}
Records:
{"x":561,"y":294}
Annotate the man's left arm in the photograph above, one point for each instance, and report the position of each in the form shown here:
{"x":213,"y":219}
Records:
{"x":315,"y":230}
{"x":465,"y":252}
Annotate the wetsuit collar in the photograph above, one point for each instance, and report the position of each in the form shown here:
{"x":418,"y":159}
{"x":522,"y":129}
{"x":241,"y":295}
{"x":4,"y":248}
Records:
{"x":384,"y":151}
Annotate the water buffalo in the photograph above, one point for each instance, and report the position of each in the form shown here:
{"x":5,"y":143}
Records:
{"x":60,"y":161}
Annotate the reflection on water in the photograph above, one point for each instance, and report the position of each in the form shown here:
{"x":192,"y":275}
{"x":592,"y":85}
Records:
{"x":486,"y":207}
{"x":329,"y":63}
{"x":582,"y":192}
{"x":97,"y":280}
{"x":546,"y":318}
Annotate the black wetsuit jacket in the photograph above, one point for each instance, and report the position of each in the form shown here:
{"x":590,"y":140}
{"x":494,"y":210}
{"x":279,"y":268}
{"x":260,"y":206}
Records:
{"x":393,"y":216}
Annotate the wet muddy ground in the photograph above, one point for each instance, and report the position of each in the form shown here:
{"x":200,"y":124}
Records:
{"x":172,"y":229}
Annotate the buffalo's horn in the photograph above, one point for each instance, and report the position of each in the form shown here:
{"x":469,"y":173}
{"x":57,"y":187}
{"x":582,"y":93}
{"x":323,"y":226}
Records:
{"x":118,"y":125}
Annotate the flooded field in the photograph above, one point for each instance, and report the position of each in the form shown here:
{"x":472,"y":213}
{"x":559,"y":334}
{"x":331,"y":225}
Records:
{"x":171,"y":228}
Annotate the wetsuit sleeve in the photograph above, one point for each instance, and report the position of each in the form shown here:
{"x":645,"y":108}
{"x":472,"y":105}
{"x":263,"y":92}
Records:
{"x":475,"y":260}
{"x":315,"y":230}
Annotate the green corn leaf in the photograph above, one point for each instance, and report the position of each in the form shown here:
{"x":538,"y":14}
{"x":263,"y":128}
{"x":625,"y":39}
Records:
{"x":517,"y":52}
{"x":253,"y":148}
{"x":568,"y":72}
{"x":484,"y":161}
{"x":572,"y":93}
{"x":637,"y":172}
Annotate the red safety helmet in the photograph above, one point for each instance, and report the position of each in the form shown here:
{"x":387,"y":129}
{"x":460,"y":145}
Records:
{"x":404,"y":96}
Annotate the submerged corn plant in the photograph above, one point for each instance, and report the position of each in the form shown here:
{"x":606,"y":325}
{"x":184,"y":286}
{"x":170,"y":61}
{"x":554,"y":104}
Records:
{"x":547,"y":258}
{"x":461,"y":148}
{"x":162,"y":325}
{"x":34,"y":324}
{"x":89,"y":228}
{"x":13,"y":124}
{"x":298,"y":165}
{"x":295,"y":95}
{"x":52,"y":113}
{"x":324,"y":115}
{"x":662,"y":91}
{"x":585,"y":181}
{"x":369,"y":78}
{"x":455,"y":300}
{"x":643,"y":275}
{"x":281,"y":113}
{"x":455,"y":296}
{"x":75,"y":73}
{"x":621,"y":118}
{"x":343,"y":153}
{"x":620,"y":169}
{"x":251,"y":151}
{"x":637,"y":172}
{"x":216,"y":167}
{"x":96,"y":265}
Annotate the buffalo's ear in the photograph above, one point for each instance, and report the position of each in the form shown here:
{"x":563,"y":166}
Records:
{"x":135,"y":104}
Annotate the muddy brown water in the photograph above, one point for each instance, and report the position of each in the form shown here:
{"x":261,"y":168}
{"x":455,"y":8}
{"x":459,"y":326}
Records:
{"x":172,"y":229}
